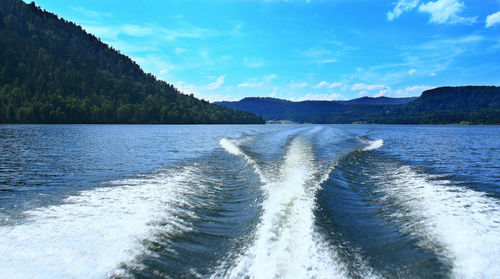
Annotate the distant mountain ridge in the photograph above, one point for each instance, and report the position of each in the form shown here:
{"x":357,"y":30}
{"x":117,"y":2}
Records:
{"x":52,"y":71}
{"x":443,"y":105}
{"x":378,"y":101}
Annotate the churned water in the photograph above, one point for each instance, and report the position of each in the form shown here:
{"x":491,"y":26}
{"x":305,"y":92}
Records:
{"x":270,"y":201}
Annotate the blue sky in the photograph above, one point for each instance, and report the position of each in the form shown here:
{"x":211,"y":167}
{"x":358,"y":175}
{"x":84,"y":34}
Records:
{"x":329,"y":50}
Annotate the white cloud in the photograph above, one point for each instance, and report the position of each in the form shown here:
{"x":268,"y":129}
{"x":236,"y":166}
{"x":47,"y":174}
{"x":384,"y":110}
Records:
{"x":136,"y":30}
{"x":325,"y":61}
{"x":315,"y":52}
{"x":319,"y":55}
{"x":440,"y":11}
{"x":257,"y":82}
{"x":493,"y":19}
{"x":253,"y":63}
{"x":155,"y":64}
{"x":294,"y":85}
{"x":218,"y":83}
{"x":207,"y":92}
{"x":179,"y":50}
{"x":325,"y":84}
{"x":367,"y":87}
{"x":89,"y":13}
{"x":322,"y":97}
{"x":445,"y":11}
{"x":322,"y":84}
{"x":270,"y":77}
{"x":251,"y":85}
{"x":410,"y":91}
{"x":273,"y":94}
{"x":412,"y":71}
{"x":363,"y":93}
{"x":402,"y":6}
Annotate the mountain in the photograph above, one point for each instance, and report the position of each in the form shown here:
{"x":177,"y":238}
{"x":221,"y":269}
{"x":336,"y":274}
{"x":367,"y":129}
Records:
{"x":52,"y":71}
{"x":378,"y":101}
{"x":443,"y":105}
{"x":313,"y":111}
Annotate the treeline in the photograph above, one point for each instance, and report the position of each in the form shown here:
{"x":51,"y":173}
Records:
{"x":444,"y":105}
{"x":52,"y":71}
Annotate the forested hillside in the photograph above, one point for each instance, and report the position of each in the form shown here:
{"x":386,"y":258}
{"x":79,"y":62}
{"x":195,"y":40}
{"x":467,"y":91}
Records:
{"x":52,"y":71}
{"x":443,"y":105}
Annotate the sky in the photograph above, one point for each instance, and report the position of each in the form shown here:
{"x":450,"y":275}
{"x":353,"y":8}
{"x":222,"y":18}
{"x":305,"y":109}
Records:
{"x":300,"y":50}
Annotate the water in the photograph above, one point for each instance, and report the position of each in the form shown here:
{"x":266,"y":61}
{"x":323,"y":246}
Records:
{"x":274,"y":201}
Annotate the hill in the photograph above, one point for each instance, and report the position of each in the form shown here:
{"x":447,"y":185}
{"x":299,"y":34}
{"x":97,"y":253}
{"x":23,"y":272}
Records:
{"x":444,"y":105}
{"x":314,"y":111}
{"x":378,"y":101}
{"x":311,"y":111}
{"x":52,"y":71}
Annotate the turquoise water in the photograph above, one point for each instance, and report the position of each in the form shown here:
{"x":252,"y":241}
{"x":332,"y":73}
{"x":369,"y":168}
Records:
{"x":286,"y":201}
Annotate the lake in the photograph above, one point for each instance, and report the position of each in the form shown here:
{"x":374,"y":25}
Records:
{"x":263,"y":201}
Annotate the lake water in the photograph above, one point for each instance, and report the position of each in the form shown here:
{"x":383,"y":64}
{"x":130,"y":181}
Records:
{"x":270,"y":201}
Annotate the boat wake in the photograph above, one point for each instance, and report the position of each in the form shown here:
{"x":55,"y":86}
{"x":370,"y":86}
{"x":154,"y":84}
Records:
{"x":286,"y":243}
{"x":91,"y":234}
{"x":373,"y":145}
{"x":457,"y":223}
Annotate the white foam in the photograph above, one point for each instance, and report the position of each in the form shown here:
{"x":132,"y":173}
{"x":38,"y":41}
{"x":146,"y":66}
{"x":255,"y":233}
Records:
{"x":286,"y":244}
{"x":373,"y":145}
{"x":232,"y":146}
{"x":91,"y":234}
{"x":458,"y":223}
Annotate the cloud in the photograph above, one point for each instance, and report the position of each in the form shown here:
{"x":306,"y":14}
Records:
{"x":325,"y":84}
{"x":322,"y":97}
{"x":218,"y":83}
{"x":446,"y":11}
{"x":440,"y":11}
{"x":137,"y":30}
{"x":253,"y":63}
{"x":257,"y":82}
{"x":318,"y":55}
{"x":89,"y":13}
{"x":428,"y":57}
{"x":270,"y":77}
{"x":273,"y":94}
{"x":493,"y":19}
{"x":251,"y":85}
{"x":410,"y":91}
{"x":180,"y":50}
{"x":402,"y":6}
{"x":315,"y":52}
{"x":294,"y":85}
{"x":155,"y":64}
{"x":412,"y":71}
{"x":213,"y":92}
{"x":367,"y":87}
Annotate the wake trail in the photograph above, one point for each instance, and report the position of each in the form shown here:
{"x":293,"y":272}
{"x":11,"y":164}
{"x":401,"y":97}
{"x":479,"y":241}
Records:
{"x":457,"y":223}
{"x":91,"y":234}
{"x":286,"y":243}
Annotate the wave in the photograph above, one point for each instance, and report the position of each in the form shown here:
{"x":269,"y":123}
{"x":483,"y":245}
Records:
{"x":286,"y":244}
{"x":232,"y":146}
{"x":373,"y":145}
{"x":91,"y":234}
{"x":460,"y":224}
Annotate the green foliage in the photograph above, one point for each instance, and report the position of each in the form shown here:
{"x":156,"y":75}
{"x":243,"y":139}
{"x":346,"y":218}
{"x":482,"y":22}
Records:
{"x":52,"y":71}
{"x":444,"y":105}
